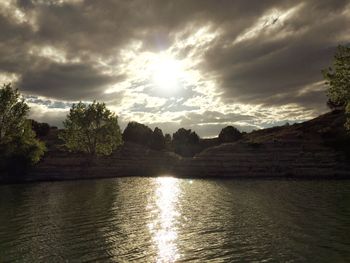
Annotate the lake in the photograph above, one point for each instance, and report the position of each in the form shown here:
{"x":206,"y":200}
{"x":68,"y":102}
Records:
{"x":168,"y":220}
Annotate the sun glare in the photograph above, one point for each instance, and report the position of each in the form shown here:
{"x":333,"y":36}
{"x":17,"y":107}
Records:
{"x":166,"y":73}
{"x":163,"y":227}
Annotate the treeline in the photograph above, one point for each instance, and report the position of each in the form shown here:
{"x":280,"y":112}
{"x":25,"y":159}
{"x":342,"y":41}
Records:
{"x":184,"y":142}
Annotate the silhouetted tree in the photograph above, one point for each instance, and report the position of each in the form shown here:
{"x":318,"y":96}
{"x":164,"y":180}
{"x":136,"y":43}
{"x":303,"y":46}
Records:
{"x":229,"y":134}
{"x":91,"y":129}
{"x":18,"y":145}
{"x":184,"y":136}
{"x":185,"y":142}
{"x":40,"y":129}
{"x":167,"y":140}
{"x":338,"y":80}
{"x":158,"y":139}
{"x":138,"y":133}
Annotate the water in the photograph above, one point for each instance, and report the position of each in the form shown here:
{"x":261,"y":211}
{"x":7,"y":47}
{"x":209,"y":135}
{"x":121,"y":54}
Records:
{"x":166,"y":220}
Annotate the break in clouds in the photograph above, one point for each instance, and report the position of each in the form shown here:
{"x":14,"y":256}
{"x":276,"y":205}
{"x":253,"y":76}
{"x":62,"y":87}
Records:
{"x":195,"y":64}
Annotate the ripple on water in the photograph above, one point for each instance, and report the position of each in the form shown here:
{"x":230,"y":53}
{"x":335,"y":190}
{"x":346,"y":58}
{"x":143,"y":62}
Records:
{"x":166,"y":219}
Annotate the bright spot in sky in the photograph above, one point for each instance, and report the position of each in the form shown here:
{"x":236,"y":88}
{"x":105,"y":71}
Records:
{"x":166,"y":73}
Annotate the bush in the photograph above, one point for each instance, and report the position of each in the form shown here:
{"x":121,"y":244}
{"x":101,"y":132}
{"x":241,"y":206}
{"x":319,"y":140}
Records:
{"x":229,"y":134}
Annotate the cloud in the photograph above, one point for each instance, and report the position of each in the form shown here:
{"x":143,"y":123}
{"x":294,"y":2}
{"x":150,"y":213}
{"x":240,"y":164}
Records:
{"x":250,"y":63}
{"x":65,"y":81}
{"x":281,"y":58}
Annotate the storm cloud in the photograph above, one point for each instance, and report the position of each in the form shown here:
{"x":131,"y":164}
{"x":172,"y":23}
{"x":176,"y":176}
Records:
{"x":250,"y":63}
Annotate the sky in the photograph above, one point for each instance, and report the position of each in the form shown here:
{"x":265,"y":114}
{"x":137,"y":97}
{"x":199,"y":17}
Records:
{"x":197,"y":64}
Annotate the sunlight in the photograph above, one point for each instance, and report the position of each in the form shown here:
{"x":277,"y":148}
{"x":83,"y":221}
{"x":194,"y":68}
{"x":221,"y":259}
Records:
{"x":166,"y":72}
{"x":163,"y":226}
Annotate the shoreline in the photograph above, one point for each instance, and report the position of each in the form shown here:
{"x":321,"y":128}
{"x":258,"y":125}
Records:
{"x":314,"y":150}
{"x":211,"y":178}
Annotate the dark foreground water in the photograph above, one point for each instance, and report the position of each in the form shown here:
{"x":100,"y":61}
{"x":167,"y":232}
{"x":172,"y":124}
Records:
{"x":166,"y":220}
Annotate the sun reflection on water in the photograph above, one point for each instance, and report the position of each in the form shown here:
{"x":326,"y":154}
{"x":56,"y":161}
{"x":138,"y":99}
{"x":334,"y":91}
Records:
{"x":163,"y":226}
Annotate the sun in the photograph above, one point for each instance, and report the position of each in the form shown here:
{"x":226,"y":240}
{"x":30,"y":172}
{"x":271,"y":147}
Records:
{"x":166,"y":72}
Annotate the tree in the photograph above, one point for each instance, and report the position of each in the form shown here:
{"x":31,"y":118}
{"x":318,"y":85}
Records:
{"x":167,"y":141}
{"x":229,"y":134}
{"x":158,"y":139}
{"x":40,"y":129}
{"x":13,"y":112}
{"x":18,"y":145}
{"x":91,"y":129}
{"x":185,"y":142}
{"x":138,"y":133}
{"x":183,"y":136}
{"x":338,"y":81}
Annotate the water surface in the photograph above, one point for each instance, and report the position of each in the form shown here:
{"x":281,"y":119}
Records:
{"x":168,"y":220}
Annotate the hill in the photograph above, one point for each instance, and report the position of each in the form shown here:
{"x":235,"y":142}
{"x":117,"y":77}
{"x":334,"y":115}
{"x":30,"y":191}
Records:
{"x":316,"y":148}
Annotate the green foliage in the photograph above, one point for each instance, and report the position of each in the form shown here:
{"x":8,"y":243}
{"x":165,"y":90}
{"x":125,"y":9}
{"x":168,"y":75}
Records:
{"x":13,"y":112}
{"x":229,"y":134}
{"x":91,"y":129}
{"x":338,"y":80}
{"x":24,"y":146}
{"x":18,"y":145}
{"x":347,"y":110}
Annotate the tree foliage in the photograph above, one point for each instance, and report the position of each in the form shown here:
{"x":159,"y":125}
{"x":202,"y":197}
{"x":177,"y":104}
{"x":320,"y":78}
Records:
{"x":138,"y":133}
{"x":13,"y":112}
{"x":18,"y":145}
{"x":158,"y":139}
{"x":183,"y":136}
{"x":185,"y":142}
{"x":92,"y":129}
{"x":167,"y":141}
{"x":229,"y":134}
{"x":141,"y":134}
{"x":40,"y":129}
{"x":338,"y":81}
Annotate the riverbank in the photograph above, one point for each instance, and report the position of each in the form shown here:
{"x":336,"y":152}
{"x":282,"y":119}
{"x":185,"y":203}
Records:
{"x":313,"y":149}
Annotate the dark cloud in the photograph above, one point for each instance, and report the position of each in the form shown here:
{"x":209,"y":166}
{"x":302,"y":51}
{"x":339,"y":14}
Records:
{"x":272,"y":67}
{"x":282,"y":61}
{"x":65,"y":81}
